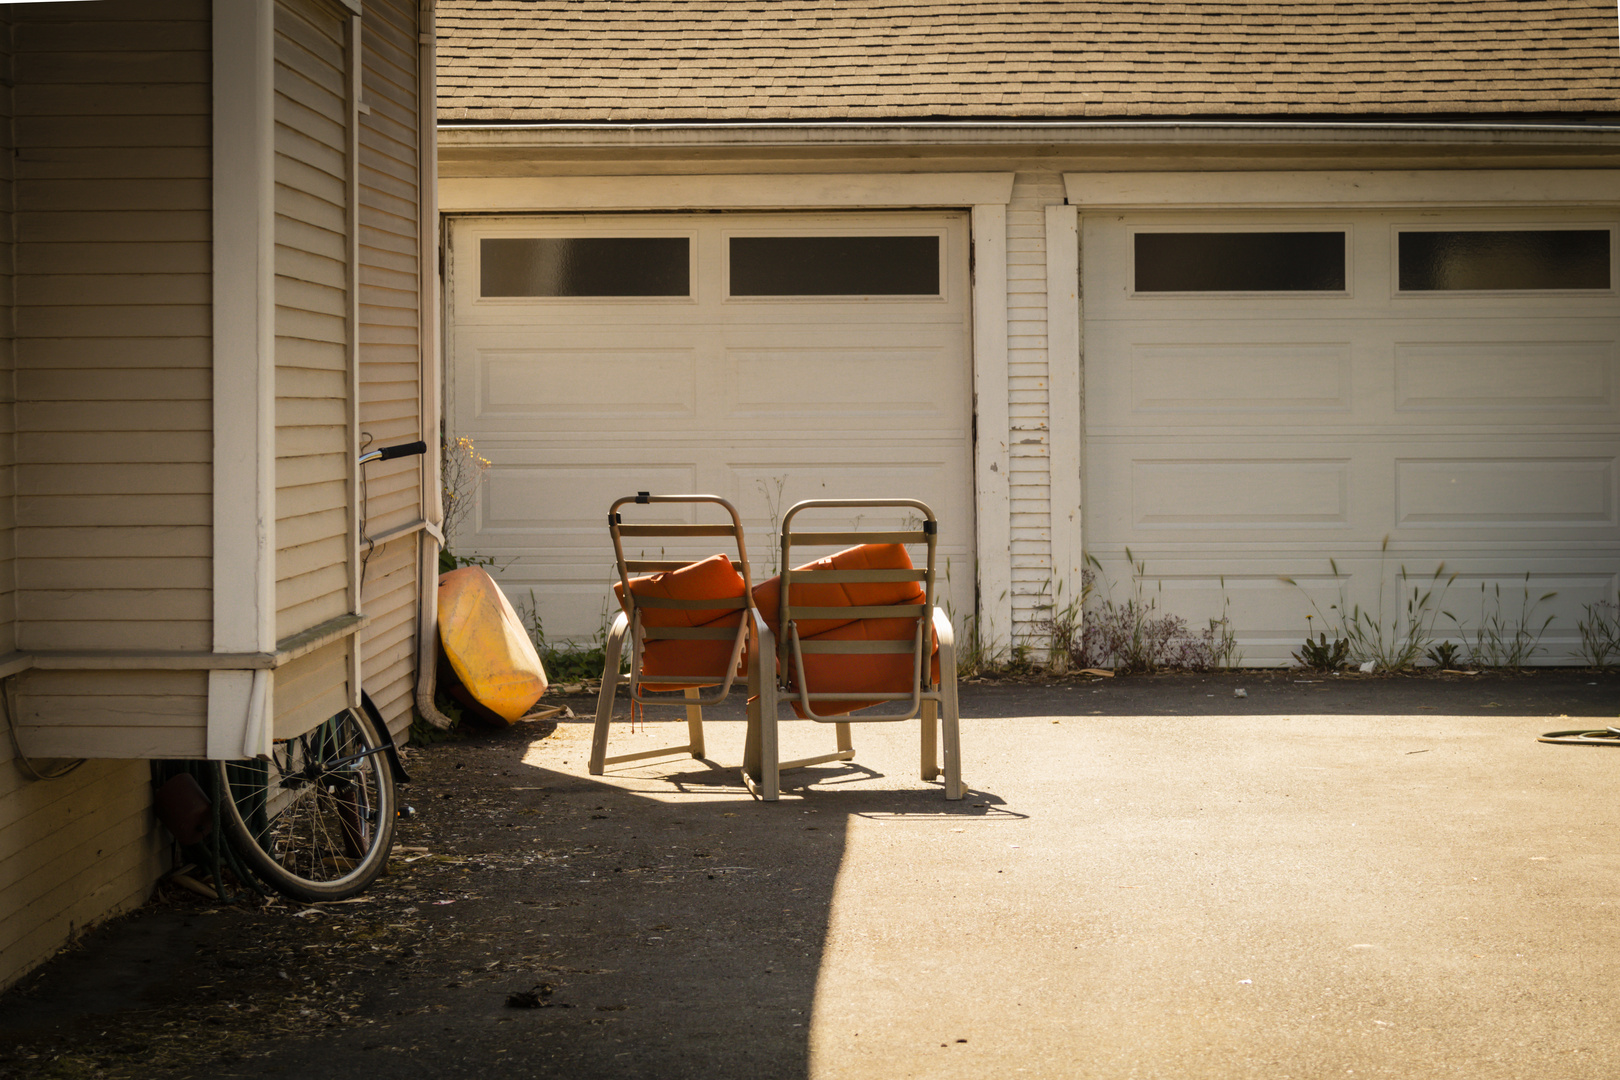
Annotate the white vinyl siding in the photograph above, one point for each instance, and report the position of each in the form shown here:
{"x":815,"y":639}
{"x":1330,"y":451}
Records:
{"x":313,"y":381}
{"x":390,"y":347}
{"x":1028,"y":409}
{"x":72,"y":852}
{"x":113,"y":362}
{"x":104,"y":228}
{"x":8,"y":396}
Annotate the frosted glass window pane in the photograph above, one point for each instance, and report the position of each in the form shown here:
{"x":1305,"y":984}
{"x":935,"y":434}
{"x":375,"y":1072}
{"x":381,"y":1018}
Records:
{"x":1240,"y":262}
{"x":835,"y":266}
{"x":586,"y":266}
{"x":1505,"y":259}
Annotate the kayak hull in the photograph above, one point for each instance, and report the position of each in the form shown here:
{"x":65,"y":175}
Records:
{"x":486,"y":646}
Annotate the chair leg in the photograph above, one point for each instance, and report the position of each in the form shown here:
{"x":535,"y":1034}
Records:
{"x":611,"y":648}
{"x":845,"y":744}
{"x":930,"y":739}
{"x":694,"y":723}
{"x":761,"y":768}
{"x":770,"y":756}
{"x":951,"y":722}
{"x":950,"y":707}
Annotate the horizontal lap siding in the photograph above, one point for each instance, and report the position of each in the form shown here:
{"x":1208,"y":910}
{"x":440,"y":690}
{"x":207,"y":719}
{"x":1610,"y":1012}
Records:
{"x":1029,"y":464}
{"x":105,"y":350}
{"x":8,"y":411}
{"x":113,"y":354}
{"x":72,"y":852}
{"x":313,"y":392}
{"x":390,"y":347}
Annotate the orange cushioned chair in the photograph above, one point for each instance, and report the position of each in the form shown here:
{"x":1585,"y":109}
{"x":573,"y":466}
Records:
{"x":687,"y":623}
{"x":849,"y":632}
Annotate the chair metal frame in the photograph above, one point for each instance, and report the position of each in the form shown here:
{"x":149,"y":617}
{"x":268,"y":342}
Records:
{"x":936,"y":704}
{"x":631,"y":624}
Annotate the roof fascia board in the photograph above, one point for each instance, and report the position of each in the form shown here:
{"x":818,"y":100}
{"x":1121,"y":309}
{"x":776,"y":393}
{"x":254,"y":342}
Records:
{"x":722,"y":191}
{"x":1079,"y":133}
{"x":1369,"y":189}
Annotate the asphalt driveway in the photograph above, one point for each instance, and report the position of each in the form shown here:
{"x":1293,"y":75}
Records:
{"x":1149,"y":878}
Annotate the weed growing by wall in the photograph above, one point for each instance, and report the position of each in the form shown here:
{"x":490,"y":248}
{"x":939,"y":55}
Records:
{"x":1133,"y":637}
{"x":1390,"y":638}
{"x":1502,"y":640}
{"x":1600,"y":634}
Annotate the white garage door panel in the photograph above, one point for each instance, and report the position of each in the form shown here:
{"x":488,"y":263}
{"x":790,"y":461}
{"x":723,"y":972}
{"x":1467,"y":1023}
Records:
{"x":1511,"y":487}
{"x":764,"y":402}
{"x":1366,"y":375}
{"x":1255,"y":436}
{"x":516,"y":385}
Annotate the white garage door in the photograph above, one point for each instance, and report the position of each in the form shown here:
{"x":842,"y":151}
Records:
{"x":763,"y":358}
{"x":1267,"y":393}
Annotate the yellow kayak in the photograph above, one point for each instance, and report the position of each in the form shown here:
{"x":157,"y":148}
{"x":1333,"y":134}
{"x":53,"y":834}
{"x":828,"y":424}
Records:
{"x":486,"y":644}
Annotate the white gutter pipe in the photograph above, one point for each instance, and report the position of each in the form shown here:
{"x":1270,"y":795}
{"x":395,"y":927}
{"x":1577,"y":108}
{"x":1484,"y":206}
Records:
{"x":427,"y":606}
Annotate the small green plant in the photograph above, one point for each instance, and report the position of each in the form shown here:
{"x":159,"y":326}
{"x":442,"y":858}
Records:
{"x":461,"y":473}
{"x":1445,"y":655}
{"x":1222,"y":636}
{"x":1322,"y":654}
{"x":772,"y":490}
{"x":1503,"y":641}
{"x":423,"y":733}
{"x":1394,"y":642}
{"x":977,"y":650}
{"x":1130,"y":636}
{"x":1600,"y":633}
{"x":1060,"y":623}
{"x":568,"y":661}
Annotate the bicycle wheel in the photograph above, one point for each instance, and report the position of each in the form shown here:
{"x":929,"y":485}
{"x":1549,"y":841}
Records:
{"x":316,"y":820}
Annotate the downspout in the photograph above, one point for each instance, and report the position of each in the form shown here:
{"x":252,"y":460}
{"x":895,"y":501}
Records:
{"x":427,"y":579}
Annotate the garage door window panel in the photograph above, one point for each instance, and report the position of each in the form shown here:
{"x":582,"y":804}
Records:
{"x":585,"y":266}
{"x":1495,"y":260}
{"x":1240,"y":262}
{"x":789,"y":266}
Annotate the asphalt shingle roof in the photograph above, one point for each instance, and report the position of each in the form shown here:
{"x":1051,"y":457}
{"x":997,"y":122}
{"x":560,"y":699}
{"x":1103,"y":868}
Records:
{"x":592,"y":61}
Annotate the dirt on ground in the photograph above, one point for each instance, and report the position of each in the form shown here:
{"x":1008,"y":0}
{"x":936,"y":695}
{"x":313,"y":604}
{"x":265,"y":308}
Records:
{"x":537,"y":922}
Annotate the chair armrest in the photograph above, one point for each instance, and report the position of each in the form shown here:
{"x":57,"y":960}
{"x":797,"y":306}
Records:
{"x":943,"y":630}
{"x":767,"y":640}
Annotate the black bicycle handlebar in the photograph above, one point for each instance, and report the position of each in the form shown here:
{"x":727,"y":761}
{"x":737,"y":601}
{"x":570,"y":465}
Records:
{"x":409,"y":449}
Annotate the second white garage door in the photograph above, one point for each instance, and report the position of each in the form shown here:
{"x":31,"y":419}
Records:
{"x":1266,"y":393}
{"x":763,"y":358}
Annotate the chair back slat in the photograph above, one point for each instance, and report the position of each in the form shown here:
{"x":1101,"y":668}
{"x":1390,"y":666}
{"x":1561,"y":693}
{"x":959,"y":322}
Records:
{"x":686,"y":633}
{"x":638,"y":567}
{"x":840,"y":577}
{"x":868,"y":611}
{"x":674,"y":531}
{"x":844,"y":539}
{"x":855,"y":647}
{"x":703,"y":604}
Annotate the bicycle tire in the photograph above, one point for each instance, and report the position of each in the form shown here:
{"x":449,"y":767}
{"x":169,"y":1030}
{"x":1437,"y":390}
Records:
{"x":316,"y":820}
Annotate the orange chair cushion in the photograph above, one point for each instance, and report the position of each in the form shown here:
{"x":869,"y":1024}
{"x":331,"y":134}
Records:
{"x":712,"y":578}
{"x":851,"y":673}
{"x":768,"y":594}
{"x":855,"y":673}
